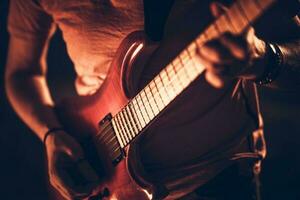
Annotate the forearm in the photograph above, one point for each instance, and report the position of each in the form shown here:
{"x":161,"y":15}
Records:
{"x":30,"y":98}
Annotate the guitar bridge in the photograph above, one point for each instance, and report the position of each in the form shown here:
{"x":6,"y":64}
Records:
{"x":108,"y":138}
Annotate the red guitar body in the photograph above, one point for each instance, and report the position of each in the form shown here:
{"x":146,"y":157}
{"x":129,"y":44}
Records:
{"x":81,"y":117}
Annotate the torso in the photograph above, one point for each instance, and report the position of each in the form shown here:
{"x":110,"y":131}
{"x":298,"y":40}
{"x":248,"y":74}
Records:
{"x":94,"y":29}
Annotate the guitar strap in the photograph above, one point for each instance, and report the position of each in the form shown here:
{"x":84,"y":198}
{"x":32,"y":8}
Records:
{"x":155,"y":16}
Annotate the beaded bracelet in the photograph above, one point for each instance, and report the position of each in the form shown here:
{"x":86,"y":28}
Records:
{"x":52,"y":130}
{"x":273,"y":68}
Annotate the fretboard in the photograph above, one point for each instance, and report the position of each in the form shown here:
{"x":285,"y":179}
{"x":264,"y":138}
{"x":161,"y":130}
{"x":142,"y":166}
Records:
{"x":181,"y":72}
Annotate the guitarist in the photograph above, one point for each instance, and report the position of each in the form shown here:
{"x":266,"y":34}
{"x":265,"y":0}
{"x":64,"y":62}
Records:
{"x":267,"y":54}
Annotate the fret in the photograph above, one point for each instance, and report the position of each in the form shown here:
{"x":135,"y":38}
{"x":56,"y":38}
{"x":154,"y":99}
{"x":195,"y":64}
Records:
{"x":230,"y":24}
{"x":216,"y":27}
{"x":178,"y":68}
{"x":175,"y":77}
{"x":185,"y":61}
{"x":138,"y":112}
{"x":124,"y":128}
{"x":174,"y":81}
{"x":124,"y":125}
{"x":155,"y":92}
{"x":185,"y":57}
{"x":192,"y":70}
{"x":206,"y":35}
{"x":153,"y":100}
{"x":129,"y":123}
{"x":132,"y":120}
{"x":222,"y":24}
{"x":162,"y":90}
{"x":147,"y":105}
{"x":243,"y":11}
{"x":233,"y":21}
{"x":143,"y":109}
{"x":118,"y":134}
{"x":182,"y":73}
{"x":191,"y":48}
{"x":167,"y":85}
{"x":211,"y":32}
{"x":117,"y":129}
{"x":121,"y":129}
{"x":135,"y":117}
{"x":176,"y":61}
{"x":200,"y":40}
{"x":197,"y":66}
{"x":238,"y":19}
{"x":250,"y":9}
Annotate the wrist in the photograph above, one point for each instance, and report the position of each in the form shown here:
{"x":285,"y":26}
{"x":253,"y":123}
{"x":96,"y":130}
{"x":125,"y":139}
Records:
{"x":51,"y":132}
{"x":273,"y":64}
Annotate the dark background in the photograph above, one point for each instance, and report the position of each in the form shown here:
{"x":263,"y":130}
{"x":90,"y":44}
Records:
{"x":22,"y":155}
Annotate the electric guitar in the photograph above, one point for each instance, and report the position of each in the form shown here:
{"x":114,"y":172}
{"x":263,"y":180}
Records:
{"x":110,"y":120}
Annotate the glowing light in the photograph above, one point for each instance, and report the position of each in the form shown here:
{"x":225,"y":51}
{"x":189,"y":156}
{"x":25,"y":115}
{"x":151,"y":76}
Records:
{"x":150,"y":196}
{"x":137,"y":50}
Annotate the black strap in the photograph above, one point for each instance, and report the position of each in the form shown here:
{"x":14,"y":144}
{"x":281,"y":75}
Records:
{"x":155,"y":16}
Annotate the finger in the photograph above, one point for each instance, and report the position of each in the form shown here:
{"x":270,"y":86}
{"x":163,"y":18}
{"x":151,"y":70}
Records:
{"x":65,"y":181}
{"x":55,"y":183}
{"x":75,"y":177}
{"x":87,"y":179}
{"x":214,"y":51}
{"x":215,"y":80}
{"x":217,"y":9}
{"x":75,"y":152}
{"x":211,"y":66}
{"x":237,"y":46}
{"x":63,"y":192}
{"x":214,"y":74}
{"x":67,"y":192}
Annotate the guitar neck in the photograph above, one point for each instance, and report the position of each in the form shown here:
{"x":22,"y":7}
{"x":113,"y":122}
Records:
{"x":181,"y":72}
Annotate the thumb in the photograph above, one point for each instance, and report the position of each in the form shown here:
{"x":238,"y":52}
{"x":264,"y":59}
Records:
{"x":217,"y":9}
{"x":74,"y":151}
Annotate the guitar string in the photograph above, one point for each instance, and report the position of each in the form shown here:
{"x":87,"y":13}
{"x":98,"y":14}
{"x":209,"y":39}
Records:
{"x":153,"y":95}
{"x":169,"y":84}
{"x":187,"y":59}
{"x":130,"y":116}
{"x":117,"y":147}
{"x":112,"y":135}
{"x":133,"y":118}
